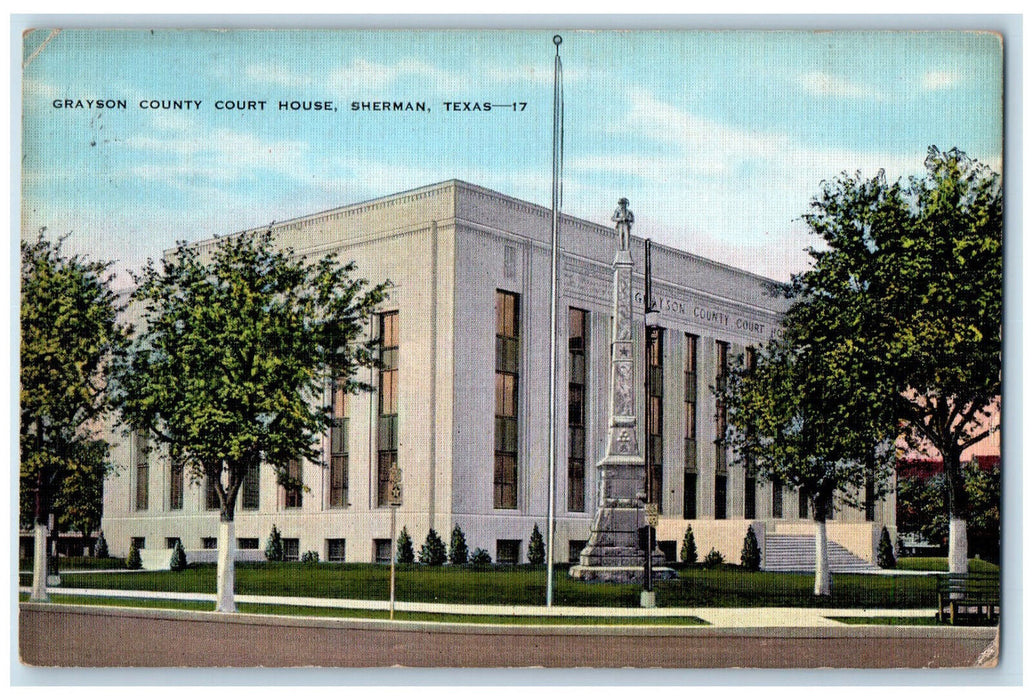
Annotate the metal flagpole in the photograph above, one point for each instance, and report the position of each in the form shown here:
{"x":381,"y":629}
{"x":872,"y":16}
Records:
{"x":557,"y":154}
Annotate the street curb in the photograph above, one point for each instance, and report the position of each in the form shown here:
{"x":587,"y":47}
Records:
{"x":873,"y":632}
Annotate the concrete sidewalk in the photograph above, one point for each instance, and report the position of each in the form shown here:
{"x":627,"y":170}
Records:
{"x":716,"y":617}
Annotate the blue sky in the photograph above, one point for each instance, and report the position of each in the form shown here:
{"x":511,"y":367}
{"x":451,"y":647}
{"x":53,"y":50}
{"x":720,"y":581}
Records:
{"x":719,"y":139}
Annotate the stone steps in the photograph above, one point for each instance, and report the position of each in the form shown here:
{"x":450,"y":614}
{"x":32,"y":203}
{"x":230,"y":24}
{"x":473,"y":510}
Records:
{"x":791,"y":553}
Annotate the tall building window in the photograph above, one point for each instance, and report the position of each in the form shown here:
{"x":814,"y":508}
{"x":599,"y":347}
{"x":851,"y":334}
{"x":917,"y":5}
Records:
{"x":507,"y":388}
{"x":803,"y":496}
{"x":691,"y":469}
{"x":577,"y":342}
{"x":750,"y":482}
{"x":720,"y":444}
{"x":869,"y":500}
{"x":339,"y":404}
{"x":655,"y":418}
{"x":776,"y":499}
{"x":721,"y":414}
{"x":211,"y":494}
{"x":175,"y":483}
{"x":143,"y":470}
{"x":292,"y":493}
{"x":750,"y":498}
{"x":720,"y":496}
{"x":249,"y":489}
{"x":387,"y":423}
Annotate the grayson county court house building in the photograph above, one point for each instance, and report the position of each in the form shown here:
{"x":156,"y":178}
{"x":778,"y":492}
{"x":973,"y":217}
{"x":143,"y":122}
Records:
{"x":461,"y":405}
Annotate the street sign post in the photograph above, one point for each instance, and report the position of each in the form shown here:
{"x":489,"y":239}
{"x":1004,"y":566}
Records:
{"x":394,"y":499}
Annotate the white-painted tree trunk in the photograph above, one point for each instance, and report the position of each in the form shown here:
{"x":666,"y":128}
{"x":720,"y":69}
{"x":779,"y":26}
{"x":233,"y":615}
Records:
{"x":224,"y":601}
{"x":39,"y":565}
{"x":957,"y":546}
{"x":822,"y":574}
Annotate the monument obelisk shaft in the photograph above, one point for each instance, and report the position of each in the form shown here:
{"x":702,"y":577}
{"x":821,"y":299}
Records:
{"x":613,"y":552}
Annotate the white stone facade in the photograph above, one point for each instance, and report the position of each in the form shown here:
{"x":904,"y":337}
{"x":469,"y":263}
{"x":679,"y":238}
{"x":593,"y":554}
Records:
{"x":448,"y":250}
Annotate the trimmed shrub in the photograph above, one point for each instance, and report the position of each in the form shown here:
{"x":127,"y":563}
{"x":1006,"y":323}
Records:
{"x":133,"y":560}
{"x":886,"y":557}
{"x":433,"y":553}
{"x":536,"y":547}
{"x":178,"y":562}
{"x":405,"y":553}
{"x":480,"y":557}
{"x":750,"y":557}
{"x":713,"y":559}
{"x":310,"y":557}
{"x":688,"y":547}
{"x":457,"y":551}
{"x":101,"y":549}
{"x":274,"y":546}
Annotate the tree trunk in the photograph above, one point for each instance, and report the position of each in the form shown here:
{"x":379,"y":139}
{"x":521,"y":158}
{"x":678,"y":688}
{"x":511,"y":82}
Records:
{"x":224,"y":601}
{"x":957,"y":506}
{"x":957,"y":547}
{"x":822,"y":574}
{"x":39,"y":565}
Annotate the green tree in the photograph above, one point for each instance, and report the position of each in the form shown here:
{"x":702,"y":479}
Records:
{"x":69,"y":333}
{"x":178,"y":562}
{"x":922,"y":509}
{"x":133,"y":558}
{"x":457,"y":551}
{"x":924,"y":261}
{"x":886,"y":559}
{"x":536,"y":547}
{"x":688,"y":547}
{"x":433,"y":553}
{"x":101,"y":549}
{"x":79,"y":505}
{"x":232,"y":359}
{"x":803,"y":416}
{"x":405,"y":554}
{"x":274,"y":546}
{"x":750,"y":556}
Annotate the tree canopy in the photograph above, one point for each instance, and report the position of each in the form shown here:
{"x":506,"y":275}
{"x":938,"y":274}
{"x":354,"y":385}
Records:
{"x":925,"y":259}
{"x":232,"y":360}
{"x":69,"y":334}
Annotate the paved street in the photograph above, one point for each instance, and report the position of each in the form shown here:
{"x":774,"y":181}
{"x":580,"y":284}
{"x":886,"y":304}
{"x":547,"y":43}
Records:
{"x":84,"y":636}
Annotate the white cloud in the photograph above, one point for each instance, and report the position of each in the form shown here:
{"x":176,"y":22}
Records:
{"x":828,"y":85}
{"x":940,"y":79}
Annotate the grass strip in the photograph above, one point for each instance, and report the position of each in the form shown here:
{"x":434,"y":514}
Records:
{"x":400,"y":615}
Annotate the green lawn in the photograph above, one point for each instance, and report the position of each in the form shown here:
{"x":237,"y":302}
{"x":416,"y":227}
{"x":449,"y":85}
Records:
{"x":727,"y":586}
{"x":975,"y":566}
{"x":306,"y":611}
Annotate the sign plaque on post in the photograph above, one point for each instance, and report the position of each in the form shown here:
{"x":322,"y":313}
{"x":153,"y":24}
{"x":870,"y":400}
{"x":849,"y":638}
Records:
{"x":394,"y":499}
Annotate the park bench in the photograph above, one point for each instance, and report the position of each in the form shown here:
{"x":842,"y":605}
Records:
{"x":968,"y":598}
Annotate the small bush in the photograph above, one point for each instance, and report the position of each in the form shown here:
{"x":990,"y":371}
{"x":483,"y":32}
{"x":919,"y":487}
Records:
{"x":310,"y":557}
{"x":713,"y":559}
{"x":178,"y":562}
{"x":133,"y":561}
{"x":274,"y":546}
{"x":480,"y":557}
{"x":457,"y":551}
{"x":433,"y":551}
{"x":405,"y":553}
{"x":536,"y":547}
{"x":886,"y":557}
{"x":688,"y":547}
{"x":101,"y":549}
{"x":750,"y":557}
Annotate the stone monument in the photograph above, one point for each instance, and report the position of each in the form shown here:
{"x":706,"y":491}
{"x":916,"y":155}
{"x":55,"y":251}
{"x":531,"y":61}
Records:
{"x":613,"y":552}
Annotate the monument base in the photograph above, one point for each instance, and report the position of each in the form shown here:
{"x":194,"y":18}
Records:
{"x":619,"y":574}
{"x":613,"y":553}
